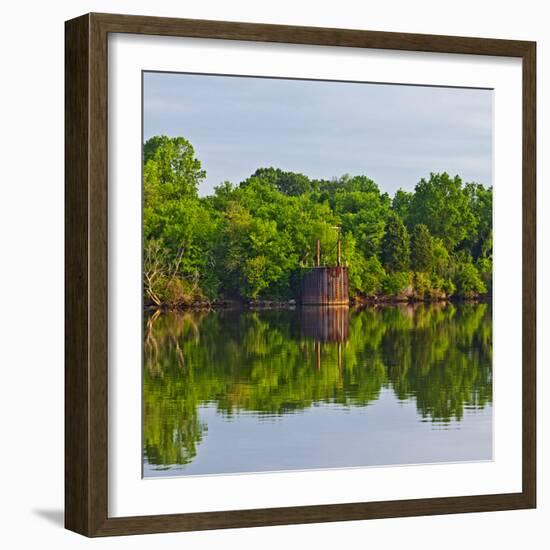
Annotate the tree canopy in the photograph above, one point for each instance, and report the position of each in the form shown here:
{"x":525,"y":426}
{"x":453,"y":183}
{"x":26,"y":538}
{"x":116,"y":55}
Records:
{"x":253,"y":239}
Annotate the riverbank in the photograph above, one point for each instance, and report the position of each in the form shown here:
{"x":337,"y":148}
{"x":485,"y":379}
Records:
{"x":356,"y":301}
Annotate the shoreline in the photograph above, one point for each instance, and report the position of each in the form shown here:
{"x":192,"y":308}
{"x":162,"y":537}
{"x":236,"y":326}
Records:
{"x":262,"y":305}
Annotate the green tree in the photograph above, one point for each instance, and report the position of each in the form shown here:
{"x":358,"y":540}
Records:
{"x":401,"y":204}
{"x":395,"y":245}
{"x":468,"y":281}
{"x":363,"y":213}
{"x":422,"y":254}
{"x":251,"y":240}
{"x":485,"y":269}
{"x":170,"y":164}
{"x":480,"y":243}
{"x":373,"y":276}
{"x":366,"y":275}
{"x":327,"y":189}
{"x":394,"y":284}
{"x":444,"y":206}
{"x":182,"y":225}
{"x":288,"y":183}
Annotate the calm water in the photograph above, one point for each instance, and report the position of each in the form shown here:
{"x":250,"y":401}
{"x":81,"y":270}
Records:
{"x":243,"y":391}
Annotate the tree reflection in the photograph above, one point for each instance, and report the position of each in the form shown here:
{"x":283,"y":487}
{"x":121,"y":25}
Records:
{"x":277,"y":362}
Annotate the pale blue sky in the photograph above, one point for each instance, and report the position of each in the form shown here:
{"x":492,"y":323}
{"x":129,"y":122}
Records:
{"x":393,"y":134}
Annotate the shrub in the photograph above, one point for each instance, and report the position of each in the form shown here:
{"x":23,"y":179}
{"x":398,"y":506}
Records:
{"x":373,"y":276}
{"x":485,"y":269}
{"x":422,"y":285}
{"x":468,"y":281}
{"x":395,"y":283}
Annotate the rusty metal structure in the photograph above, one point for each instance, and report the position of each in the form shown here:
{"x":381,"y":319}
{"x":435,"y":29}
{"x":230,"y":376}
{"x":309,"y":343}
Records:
{"x":325,"y":286}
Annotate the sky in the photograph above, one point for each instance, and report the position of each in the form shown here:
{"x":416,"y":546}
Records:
{"x":393,"y":134}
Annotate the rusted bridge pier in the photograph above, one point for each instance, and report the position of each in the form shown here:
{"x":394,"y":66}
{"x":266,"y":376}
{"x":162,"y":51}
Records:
{"x":326,"y":286}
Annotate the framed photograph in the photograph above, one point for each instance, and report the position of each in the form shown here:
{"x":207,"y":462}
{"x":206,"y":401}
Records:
{"x":300,"y":274}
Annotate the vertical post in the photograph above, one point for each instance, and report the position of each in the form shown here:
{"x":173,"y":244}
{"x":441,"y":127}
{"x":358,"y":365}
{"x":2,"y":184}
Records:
{"x":339,"y":258}
{"x":318,"y":253}
{"x":317,"y":346}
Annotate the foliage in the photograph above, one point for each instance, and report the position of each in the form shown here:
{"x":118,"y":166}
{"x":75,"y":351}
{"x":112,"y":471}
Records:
{"x":422,"y":254}
{"x":443,"y":204}
{"x":253,"y":240}
{"x":424,"y":286}
{"x":401,"y":204}
{"x":396,"y":283}
{"x":485,"y":270}
{"x":468,"y":281}
{"x":288,"y":183}
{"x":480,"y":202}
{"x":395,"y":245}
{"x":373,"y":276}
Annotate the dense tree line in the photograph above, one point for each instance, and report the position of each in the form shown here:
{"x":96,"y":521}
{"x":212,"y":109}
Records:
{"x":253,"y":240}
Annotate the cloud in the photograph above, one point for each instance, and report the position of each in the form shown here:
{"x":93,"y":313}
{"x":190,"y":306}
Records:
{"x":395,"y":134}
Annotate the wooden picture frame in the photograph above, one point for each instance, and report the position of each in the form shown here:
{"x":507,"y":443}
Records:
{"x":86,"y":282}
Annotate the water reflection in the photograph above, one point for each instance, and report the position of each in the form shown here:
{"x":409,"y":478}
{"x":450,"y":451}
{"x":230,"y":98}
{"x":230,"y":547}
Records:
{"x":325,"y":324}
{"x":271,"y":364}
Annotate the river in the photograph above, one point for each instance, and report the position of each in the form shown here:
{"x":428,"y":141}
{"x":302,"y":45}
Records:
{"x":235,"y":391}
